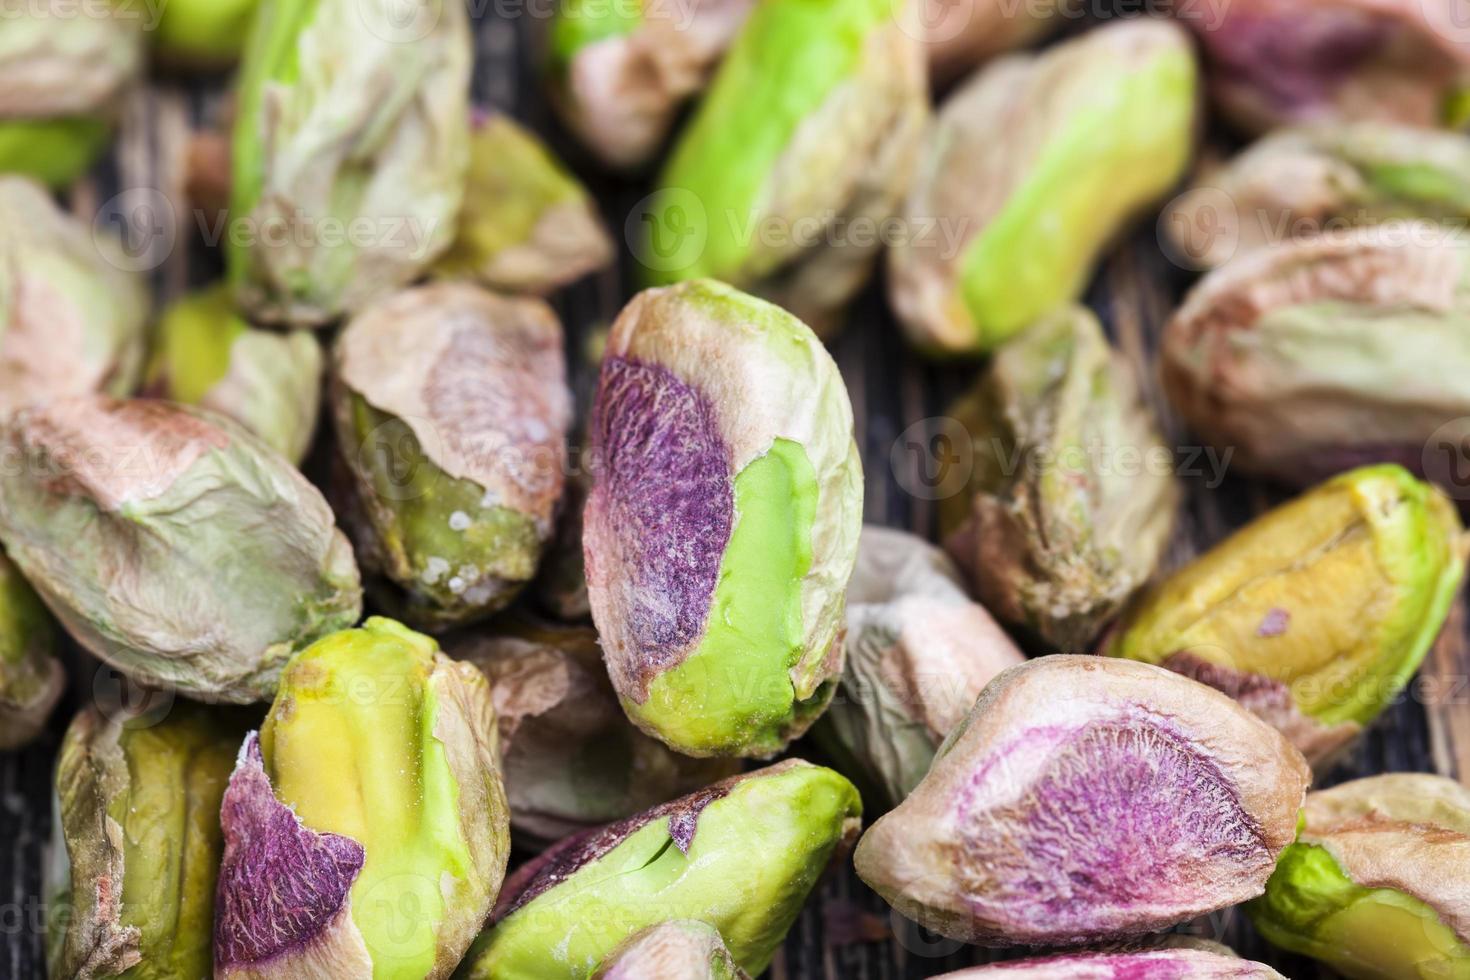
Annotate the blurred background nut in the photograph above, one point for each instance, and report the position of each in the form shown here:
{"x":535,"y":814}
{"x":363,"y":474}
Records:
{"x":1181,"y":957}
{"x":201,"y":34}
{"x":31,"y":676}
{"x":72,"y":322}
{"x":723,"y":520}
{"x":572,"y":759}
{"x":1375,"y":885}
{"x":204,"y":354}
{"x":451,"y":410}
{"x":1001,"y":232}
{"x":1316,"y":614}
{"x":1072,"y":497}
{"x":172,"y":543}
{"x":684,"y":949}
{"x":961,"y":35}
{"x":919,"y":653}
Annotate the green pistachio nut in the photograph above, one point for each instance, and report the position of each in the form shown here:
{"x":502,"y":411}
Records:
{"x":620,"y":72}
{"x":1086,"y":799}
{"x":1193,"y":959}
{"x":1329,"y":177}
{"x":203,"y":34}
{"x":131,"y":877}
{"x":572,"y":759}
{"x":31,"y":676}
{"x":740,"y":855}
{"x":1071,"y":499}
{"x":350,"y":148}
{"x":451,"y":409}
{"x":172,"y":543}
{"x":1375,"y":884}
{"x":72,"y":320}
{"x":919,"y":653}
{"x":1313,"y":356}
{"x":723,"y":520}
{"x":366,"y":829}
{"x":1276,"y":63}
{"x":684,"y":949}
{"x":207,"y":355}
{"x":1316,"y":614}
{"x":1097,"y":129}
{"x":796,"y":158}
{"x":63,"y":74}
{"x":527,"y":225}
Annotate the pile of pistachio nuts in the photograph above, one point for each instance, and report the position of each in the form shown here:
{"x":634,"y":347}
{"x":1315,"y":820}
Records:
{"x":493,"y":693}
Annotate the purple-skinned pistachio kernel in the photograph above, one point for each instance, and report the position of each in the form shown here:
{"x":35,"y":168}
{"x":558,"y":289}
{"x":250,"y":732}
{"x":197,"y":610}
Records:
{"x":1181,"y":959}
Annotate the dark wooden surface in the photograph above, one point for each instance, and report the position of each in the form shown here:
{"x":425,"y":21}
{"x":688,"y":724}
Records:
{"x":846,"y":931}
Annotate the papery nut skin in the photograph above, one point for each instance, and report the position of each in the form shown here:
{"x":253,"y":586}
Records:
{"x":1375,"y":884}
{"x":678,"y":950}
{"x":31,"y":675}
{"x":960,"y":36}
{"x":1170,"y":960}
{"x":723,"y":521}
{"x":1316,"y":614}
{"x":172,"y":543}
{"x":1088,"y":799}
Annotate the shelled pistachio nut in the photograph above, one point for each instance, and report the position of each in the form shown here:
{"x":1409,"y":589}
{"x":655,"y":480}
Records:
{"x":527,"y":224}
{"x":63,"y":75}
{"x":696,"y":857}
{"x":1072,"y":498}
{"x":620,"y":73}
{"x":959,"y":36}
{"x":572,"y":760}
{"x":451,"y":409}
{"x":781,"y":183}
{"x":1329,"y":177}
{"x":1316,"y":614}
{"x":1001,"y":232}
{"x":1375,"y":885}
{"x":723,"y":521}
{"x":205,"y":354}
{"x":919,"y":653}
{"x":1278,"y":62}
{"x":684,"y":949}
{"x":172,"y":543}
{"x":202,"y":34}
{"x":132,"y":868}
{"x":31,"y":676}
{"x":366,"y":829}
{"x":1205,"y":961}
{"x":350,"y":148}
{"x":1086,"y":799}
{"x":1314,"y":356}
{"x":72,"y":321}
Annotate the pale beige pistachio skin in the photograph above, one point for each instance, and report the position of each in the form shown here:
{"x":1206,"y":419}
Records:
{"x":172,"y":543}
{"x":681,"y":949}
{"x":72,"y":319}
{"x":1312,"y":356}
{"x":57,"y":62}
{"x":1200,"y":960}
{"x":1165,"y":797}
{"x":919,"y":652}
{"x":1329,"y":177}
{"x":959,"y":36}
{"x":465,"y":392}
{"x":31,"y":676}
{"x":1072,"y":498}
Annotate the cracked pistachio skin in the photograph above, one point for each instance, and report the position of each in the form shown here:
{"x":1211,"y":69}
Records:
{"x":683,"y":949}
{"x":620,"y":73}
{"x":366,"y":829}
{"x":566,"y":911}
{"x":572,"y":759}
{"x":1376,"y":884}
{"x":31,"y":676}
{"x":63,"y":75}
{"x":1316,"y":614}
{"x":350,"y":150}
{"x":202,"y":34}
{"x":527,"y":224}
{"x":1002,"y":233}
{"x":1056,"y":528}
{"x":1087,"y":799}
{"x":137,"y":842}
{"x":808,"y":134}
{"x":1325,"y":177}
{"x":205,"y":354}
{"x":1274,"y":63}
{"x":1196,"y":960}
{"x":72,"y":321}
{"x":723,"y":520}
{"x":451,"y":410}
{"x":1317,"y":355}
{"x":919,"y":652}
{"x":173,"y":544}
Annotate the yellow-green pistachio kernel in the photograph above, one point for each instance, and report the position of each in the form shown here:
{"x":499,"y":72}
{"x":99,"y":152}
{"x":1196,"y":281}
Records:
{"x":202,"y":34}
{"x":31,"y":676}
